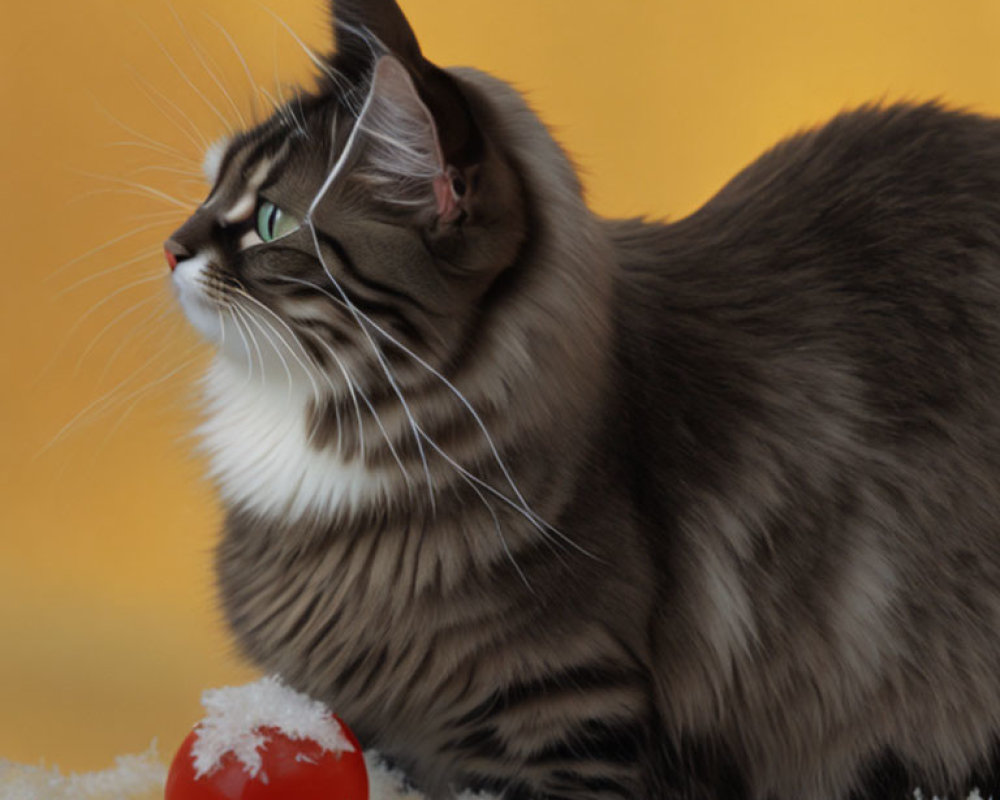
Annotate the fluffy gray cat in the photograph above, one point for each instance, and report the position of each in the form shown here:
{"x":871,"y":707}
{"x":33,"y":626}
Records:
{"x":565,"y":507}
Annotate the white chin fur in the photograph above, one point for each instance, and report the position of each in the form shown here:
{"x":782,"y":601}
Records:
{"x":262,"y":461}
{"x":199,"y":310}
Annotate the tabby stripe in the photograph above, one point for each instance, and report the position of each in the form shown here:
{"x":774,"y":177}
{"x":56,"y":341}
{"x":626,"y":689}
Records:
{"x":318,"y":327}
{"x":249,"y":157}
{"x":577,"y":679}
{"x":609,"y":742}
{"x":369,"y":283}
{"x":376,"y":306}
{"x":573,"y":783}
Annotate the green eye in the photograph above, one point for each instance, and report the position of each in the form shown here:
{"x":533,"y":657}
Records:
{"x":273,"y":223}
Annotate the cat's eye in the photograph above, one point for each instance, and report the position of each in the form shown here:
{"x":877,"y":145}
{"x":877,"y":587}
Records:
{"x":273,"y":222}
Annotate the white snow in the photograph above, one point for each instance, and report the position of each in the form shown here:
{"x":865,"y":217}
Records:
{"x":132,"y":778}
{"x":235,"y":716}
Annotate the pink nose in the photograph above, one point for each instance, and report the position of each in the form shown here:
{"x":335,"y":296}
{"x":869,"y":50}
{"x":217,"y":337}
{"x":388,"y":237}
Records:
{"x":171,"y":258}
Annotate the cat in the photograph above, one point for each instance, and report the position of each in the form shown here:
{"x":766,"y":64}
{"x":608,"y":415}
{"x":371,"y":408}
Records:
{"x":557,"y":506}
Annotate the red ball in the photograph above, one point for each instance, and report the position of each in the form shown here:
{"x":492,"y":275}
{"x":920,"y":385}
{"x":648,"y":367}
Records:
{"x":292,"y":768}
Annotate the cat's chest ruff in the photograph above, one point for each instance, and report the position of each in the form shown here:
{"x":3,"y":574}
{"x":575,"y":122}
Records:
{"x":261,"y":457}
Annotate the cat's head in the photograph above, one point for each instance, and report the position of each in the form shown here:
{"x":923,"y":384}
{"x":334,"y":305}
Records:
{"x":404,"y":248}
{"x":382,"y":198}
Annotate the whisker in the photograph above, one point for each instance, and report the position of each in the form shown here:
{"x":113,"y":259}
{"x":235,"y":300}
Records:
{"x":156,"y":97}
{"x":186,"y":206}
{"x":240,"y":314}
{"x":261,"y":327}
{"x":540,"y":524}
{"x":239,"y":54}
{"x":100,"y":248}
{"x":145,"y":254}
{"x":202,"y":58}
{"x":151,"y":326}
{"x":500,"y":536}
{"x":246,"y":346}
{"x":99,"y":405}
{"x":165,"y":151}
{"x":137,"y":395}
{"x":325,"y":68}
{"x":118,"y":318}
{"x":375,"y":416}
{"x":108,"y":298}
{"x":144,"y":140}
{"x":189,"y":173}
{"x":225,"y":122}
{"x":291,"y":333}
{"x":140,"y":187}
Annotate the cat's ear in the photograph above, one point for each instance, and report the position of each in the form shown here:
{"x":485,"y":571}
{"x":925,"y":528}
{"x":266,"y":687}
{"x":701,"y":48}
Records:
{"x":403,"y":159}
{"x":369,"y":31}
{"x":366,"y":27}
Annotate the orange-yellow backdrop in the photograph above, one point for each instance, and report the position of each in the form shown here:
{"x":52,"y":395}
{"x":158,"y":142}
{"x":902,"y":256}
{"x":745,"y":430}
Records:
{"x":108,"y":631}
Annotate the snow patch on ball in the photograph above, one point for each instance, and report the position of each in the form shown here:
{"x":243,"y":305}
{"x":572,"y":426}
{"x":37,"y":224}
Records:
{"x":235,"y":715}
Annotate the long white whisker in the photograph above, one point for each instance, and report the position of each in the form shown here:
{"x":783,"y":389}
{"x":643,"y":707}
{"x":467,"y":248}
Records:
{"x":108,"y":298}
{"x":277,"y":351}
{"x":187,"y":173}
{"x":184,"y":205}
{"x":499,"y":530}
{"x":157,"y":98}
{"x":118,"y":318}
{"x":246,"y":346}
{"x":100,"y":248}
{"x":253,"y":340}
{"x":138,"y":393}
{"x":294,"y":338}
{"x":144,"y":140}
{"x":98,"y":404}
{"x":146,"y":254}
{"x":151,"y":325}
{"x":316,"y":60}
{"x":255,"y":100}
{"x":375,"y":416}
{"x":162,"y":150}
{"x":351,"y":388}
{"x":204,"y":63}
{"x":141,"y":187}
{"x":225,"y":122}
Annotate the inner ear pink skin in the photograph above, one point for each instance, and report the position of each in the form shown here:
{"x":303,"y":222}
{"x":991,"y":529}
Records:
{"x":447,"y":200}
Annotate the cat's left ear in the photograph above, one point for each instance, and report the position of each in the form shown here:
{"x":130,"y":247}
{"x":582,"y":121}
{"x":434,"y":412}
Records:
{"x":422,"y":99}
{"x":402,"y":156}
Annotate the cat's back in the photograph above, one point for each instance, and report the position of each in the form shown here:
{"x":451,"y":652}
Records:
{"x":861,"y":258}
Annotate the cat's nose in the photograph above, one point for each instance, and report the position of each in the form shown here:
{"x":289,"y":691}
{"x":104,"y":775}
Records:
{"x":174,"y":252}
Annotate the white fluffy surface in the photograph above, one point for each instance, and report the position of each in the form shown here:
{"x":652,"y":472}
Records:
{"x":132,"y":778}
{"x":235,"y":715}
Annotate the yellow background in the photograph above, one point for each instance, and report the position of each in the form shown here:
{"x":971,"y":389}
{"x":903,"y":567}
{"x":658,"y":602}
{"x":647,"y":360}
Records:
{"x":108,"y":631}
